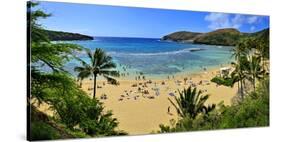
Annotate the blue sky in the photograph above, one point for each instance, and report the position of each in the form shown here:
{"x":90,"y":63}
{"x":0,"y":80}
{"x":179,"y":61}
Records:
{"x":100,"y":20}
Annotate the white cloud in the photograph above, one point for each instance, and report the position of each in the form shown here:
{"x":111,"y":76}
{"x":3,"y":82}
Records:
{"x":253,"y":19}
{"x":222,"y":20}
{"x":237,"y":21}
{"x":218,"y":20}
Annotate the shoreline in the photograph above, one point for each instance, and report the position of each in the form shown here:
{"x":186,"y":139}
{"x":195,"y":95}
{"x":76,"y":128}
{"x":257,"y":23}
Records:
{"x":164,"y":76}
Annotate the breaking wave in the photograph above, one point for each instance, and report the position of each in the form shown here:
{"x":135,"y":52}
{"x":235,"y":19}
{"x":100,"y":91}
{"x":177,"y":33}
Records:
{"x":157,"y":53}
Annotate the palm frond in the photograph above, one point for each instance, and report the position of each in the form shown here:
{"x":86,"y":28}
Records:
{"x":190,"y":102}
{"x":179,"y":111}
{"x":99,"y":56}
{"x":108,"y":65}
{"x":90,"y":56}
{"x":110,"y":80}
{"x":112,"y":73}
{"x":84,"y":74}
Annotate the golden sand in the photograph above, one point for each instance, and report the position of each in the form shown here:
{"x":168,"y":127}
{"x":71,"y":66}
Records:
{"x":140,"y":113}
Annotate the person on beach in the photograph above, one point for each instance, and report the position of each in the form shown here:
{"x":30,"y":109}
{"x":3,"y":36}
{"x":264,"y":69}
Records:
{"x":169,"y":110}
{"x":185,"y":79}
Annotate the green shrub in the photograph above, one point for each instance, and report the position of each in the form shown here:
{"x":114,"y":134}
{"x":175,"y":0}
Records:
{"x":201,"y":122}
{"x":79,"y":112}
{"x":223,"y":81}
{"x":253,"y":111}
{"x":43,"y":131}
{"x":76,"y":114}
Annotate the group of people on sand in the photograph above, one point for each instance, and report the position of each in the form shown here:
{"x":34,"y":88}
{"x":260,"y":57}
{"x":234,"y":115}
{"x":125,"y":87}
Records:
{"x":139,"y":77}
{"x":173,"y":77}
{"x":134,"y":96}
{"x":141,"y":88}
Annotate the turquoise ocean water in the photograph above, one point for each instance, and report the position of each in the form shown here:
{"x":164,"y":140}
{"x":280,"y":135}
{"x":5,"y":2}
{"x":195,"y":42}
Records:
{"x":154,"y":57}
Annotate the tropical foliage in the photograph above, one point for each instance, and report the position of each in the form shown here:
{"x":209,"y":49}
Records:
{"x":251,"y":63}
{"x":226,"y":81}
{"x":74,"y":113}
{"x":253,"y":111}
{"x":249,"y":55}
{"x":190,"y":103}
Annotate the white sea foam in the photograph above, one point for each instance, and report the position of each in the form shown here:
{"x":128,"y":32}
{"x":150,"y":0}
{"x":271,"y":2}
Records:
{"x":155,"y":54}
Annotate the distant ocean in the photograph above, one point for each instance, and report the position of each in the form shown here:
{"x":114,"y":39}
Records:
{"x":154,"y":57}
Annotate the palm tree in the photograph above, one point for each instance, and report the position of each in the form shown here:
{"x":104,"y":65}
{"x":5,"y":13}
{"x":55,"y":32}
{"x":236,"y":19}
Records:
{"x":191,"y":103}
{"x":254,"y":70}
{"x":100,"y":64}
{"x":263,"y":51}
{"x":240,"y":50}
{"x":258,"y":47}
{"x":238,"y":75}
{"x":240,"y":53}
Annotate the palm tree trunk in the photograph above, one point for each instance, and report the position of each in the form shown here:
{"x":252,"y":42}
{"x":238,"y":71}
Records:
{"x":254,"y":84}
{"x":80,"y":84}
{"x":238,"y":87}
{"x":263,"y":63}
{"x":95,"y":79}
{"x":242,"y":91}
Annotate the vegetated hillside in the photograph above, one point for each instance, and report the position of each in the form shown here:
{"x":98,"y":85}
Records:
{"x":263,"y":34}
{"x":181,"y":36}
{"x":59,"y":35}
{"x":227,"y":36}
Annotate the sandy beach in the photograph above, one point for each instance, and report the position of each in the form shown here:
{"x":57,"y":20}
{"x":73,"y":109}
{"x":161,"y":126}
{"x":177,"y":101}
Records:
{"x":140,"y":111}
{"x":141,"y":105}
